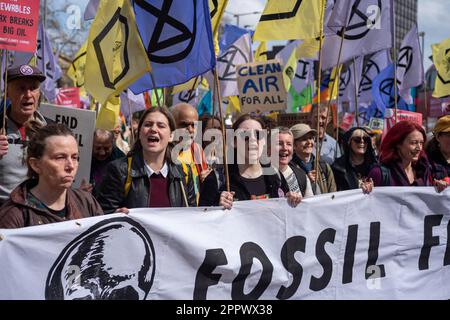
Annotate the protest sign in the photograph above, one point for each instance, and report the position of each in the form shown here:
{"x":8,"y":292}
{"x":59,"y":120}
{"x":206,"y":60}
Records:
{"x":68,"y":97}
{"x":19,"y":24}
{"x":82,"y":124}
{"x":291,"y":119}
{"x":261,"y":87}
{"x":376,"y":124}
{"x":391,"y":244}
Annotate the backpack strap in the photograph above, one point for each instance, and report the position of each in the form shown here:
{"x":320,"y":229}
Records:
{"x":128,"y":180}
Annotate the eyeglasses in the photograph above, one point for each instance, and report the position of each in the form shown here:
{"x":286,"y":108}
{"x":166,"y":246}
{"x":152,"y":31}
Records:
{"x":358,"y":140}
{"x":246,"y":134}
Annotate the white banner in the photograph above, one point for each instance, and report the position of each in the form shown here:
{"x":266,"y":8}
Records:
{"x":390,"y":244}
{"x":82,"y":124}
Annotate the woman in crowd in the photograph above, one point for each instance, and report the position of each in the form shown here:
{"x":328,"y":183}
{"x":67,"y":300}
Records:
{"x":147,"y":177}
{"x":47,"y":197}
{"x":403,"y":161}
{"x":322,"y":179}
{"x":248,"y":181}
{"x":296,"y":178}
{"x":351,"y":170}
{"x":438,"y":149}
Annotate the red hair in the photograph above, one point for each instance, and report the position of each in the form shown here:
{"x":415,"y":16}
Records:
{"x":395,"y":137}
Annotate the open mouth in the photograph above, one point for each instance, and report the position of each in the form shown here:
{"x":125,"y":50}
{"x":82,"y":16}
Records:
{"x":283,"y":155}
{"x":153,"y":139}
{"x":27,"y":104}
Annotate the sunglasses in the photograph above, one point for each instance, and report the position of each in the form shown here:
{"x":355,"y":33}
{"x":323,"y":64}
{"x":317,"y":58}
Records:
{"x":246,"y":134}
{"x":361,"y":139}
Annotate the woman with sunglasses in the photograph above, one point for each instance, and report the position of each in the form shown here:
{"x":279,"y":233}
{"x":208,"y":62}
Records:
{"x":249,"y":180}
{"x":351,"y":170}
{"x":147,"y":177}
{"x":403,"y":161}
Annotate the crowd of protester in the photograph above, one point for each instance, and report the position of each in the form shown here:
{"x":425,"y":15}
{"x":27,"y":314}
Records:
{"x":144,"y":166}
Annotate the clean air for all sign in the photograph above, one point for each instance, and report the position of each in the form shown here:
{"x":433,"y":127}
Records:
{"x":18,"y":24}
{"x":261,"y":87}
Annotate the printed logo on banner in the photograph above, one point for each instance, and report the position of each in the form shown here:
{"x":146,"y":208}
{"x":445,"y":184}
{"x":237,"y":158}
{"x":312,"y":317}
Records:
{"x":48,"y":67}
{"x":80,"y":70}
{"x":116,"y":18}
{"x":233,"y":54}
{"x":88,"y":267}
{"x":282,"y":15}
{"x":440,"y":76}
{"x":387,"y":89}
{"x":179,"y":41}
{"x":360,"y":24}
{"x":371,"y":69}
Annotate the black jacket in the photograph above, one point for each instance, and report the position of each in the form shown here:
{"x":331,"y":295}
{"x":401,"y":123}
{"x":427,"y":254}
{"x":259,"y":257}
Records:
{"x":344,"y":173}
{"x":111,"y":193}
{"x":210,"y":194}
{"x":440,"y":168}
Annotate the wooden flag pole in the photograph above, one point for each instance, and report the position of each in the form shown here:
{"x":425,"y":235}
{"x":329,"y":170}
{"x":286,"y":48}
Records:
{"x":156,"y":90}
{"x":356,"y":93}
{"x":5,"y":91}
{"x":222,"y":124}
{"x":319,"y":80}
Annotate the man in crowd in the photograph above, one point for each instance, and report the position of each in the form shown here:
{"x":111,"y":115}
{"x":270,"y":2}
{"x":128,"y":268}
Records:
{"x":329,"y":150}
{"x":186,"y":117}
{"x":103,"y":152}
{"x":23,"y":92}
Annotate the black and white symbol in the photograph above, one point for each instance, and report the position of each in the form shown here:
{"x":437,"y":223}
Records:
{"x":357,"y":23}
{"x":97,"y":43}
{"x":181,"y":43}
{"x":187,"y":95}
{"x":302,"y":69}
{"x":282,"y":15}
{"x":344,"y":80}
{"x":387,"y":91}
{"x":233,"y":54}
{"x":371,"y":69}
{"x":405,"y":59}
{"x":26,"y":70}
{"x":113,"y":259}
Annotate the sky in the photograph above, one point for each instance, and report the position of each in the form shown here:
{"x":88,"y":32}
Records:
{"x":432,"y":17}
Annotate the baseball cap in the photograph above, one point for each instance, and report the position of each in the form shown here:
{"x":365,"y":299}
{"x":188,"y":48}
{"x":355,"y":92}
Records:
{"x":301,"y":129}
{"x":442,"y":125}
{"x":25,"y":71}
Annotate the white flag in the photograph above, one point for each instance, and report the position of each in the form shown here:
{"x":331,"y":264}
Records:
{"x":47,"y":63}
{"x":350,"y":79}
{"x":240,"y":52}
{"x":369,"y":29}
{"x":374,"y":65}
{"x":186,"y":96}
{"x":409,"y":62}
{"x":304,"y":75}
{"x":131,"y":103}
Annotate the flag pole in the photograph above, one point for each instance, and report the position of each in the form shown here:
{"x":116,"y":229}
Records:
{"x":422,"y":35}
{"x":355,"y":81}
{"x":319,"y":80}
{"x":5,"y":91}
{"x":222,"y":125}
{"x":156,"y":90}
{"x":214,"y":97}
{"x":395,"y":62}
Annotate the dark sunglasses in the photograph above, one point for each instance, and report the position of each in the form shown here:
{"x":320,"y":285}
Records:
{"x":246,"y":134}
{"x":360,"y":139}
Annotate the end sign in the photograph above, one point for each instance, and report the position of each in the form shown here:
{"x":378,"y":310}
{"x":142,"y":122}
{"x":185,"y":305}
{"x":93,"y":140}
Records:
{"x":261,"y":86}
